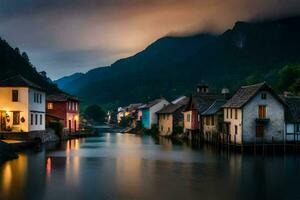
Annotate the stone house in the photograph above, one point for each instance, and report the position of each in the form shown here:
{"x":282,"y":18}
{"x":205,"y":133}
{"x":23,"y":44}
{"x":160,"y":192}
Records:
{"x":255,"y":114}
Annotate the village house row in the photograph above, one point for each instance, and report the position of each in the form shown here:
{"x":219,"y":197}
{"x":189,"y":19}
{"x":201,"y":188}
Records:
{"x":26,"y":109}
{"x":254,"y":114}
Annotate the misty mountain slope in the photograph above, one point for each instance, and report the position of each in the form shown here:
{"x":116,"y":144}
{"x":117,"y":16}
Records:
{"x":171,"y":66}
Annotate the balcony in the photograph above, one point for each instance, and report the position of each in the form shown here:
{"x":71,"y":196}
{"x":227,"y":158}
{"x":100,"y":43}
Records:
{"x":262,"y":120}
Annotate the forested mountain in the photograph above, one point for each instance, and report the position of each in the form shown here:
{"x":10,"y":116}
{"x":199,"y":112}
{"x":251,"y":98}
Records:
{"x":13,"y":62}
{"x":247,"y":53}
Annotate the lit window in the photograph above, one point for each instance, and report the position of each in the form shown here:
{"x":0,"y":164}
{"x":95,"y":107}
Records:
{"x":188,"y":117}
{"x":207,"y":121}
{"x":15,"y":95}
{"x":50,"y":106}
{"x":262,"y":112}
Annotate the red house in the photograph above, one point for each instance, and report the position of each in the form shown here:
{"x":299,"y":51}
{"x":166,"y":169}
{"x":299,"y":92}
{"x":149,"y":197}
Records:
{"x":65,"y":108}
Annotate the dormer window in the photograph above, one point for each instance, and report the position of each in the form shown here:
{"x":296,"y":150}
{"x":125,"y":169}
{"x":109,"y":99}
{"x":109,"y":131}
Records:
{"x":15,"y":95}
{"x":263,"y":95}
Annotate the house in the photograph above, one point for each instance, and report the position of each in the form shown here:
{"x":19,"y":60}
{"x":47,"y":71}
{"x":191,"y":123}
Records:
{"x":255,"y":114}
{"x":22,"y":106}
{"x":170,"y":117}
{"x":149,"y":117}
{"x":292,"y":118}
{"x":197,"y":104}
{"x":213,"y":119}
{"x":64,"y":107}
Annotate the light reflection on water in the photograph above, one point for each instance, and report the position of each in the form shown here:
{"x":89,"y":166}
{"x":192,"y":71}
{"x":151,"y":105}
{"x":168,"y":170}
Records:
{"x":124,"y":166}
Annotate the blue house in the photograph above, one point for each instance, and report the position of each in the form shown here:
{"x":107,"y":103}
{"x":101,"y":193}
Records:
{"x":149,"y":116}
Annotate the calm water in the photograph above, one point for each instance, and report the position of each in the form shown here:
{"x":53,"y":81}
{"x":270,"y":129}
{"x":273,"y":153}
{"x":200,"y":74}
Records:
{"x":124,"y":166}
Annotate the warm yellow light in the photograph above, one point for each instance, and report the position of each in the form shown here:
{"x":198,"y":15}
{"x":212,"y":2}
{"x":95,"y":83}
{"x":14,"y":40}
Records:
{"x":76,"y":117}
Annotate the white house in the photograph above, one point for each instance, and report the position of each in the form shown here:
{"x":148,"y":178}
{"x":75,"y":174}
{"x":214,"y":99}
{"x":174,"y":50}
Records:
{"x":292,"y":118}
{"x":255,"y":114}
{"x":149,"y":116}
{"x":22,"y":105}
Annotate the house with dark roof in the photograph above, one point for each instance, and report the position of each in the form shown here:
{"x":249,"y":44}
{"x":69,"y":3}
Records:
{"x":65,"y":108}
{"x":22,"y":105}
{"x":170,"y":117}
{"x":149,"y":116}
{"x":197,"y":104}
{"x":212,"y":120}
{"x":292,"y":118}
{"x":255,"y":114}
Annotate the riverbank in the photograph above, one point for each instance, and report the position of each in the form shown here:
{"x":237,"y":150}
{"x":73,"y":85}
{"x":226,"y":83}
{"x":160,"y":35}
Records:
{"x":7,"y":152}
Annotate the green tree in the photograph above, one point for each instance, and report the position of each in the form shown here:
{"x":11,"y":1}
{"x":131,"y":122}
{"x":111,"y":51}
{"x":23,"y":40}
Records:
{"x":95,"y":112}
{"x":289,"y":78}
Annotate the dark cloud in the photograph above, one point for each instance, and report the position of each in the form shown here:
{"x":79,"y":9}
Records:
{"x":64,"y":36}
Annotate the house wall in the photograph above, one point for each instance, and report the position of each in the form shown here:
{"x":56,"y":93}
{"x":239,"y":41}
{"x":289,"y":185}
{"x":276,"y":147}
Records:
{"x":146,"y":118}
{"x":208,"y":130}
{"x":59,"y":110}
{"x":37,"y":109}
{"x":275,"y":128}
{"x":7,"y":105}
{"x":154,"y":109}
{"x":193,"y":124}
{"x":234,"y":122}
{"x":165,"y":124}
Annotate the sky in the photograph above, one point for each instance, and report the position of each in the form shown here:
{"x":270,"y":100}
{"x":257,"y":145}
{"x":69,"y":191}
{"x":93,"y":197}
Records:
{"x":67,"y":36}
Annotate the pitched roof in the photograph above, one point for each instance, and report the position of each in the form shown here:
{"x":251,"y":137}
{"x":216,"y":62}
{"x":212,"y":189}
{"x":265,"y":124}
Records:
{"x":61,"y":97}
{"x":246,"y":93}
{"x":152,"y":103}
{"x":214,"y":107}
{"x":202,"y":101}
{"x":18,"y":81}
{"x":293,"y":108}
{"x":171,"y":108}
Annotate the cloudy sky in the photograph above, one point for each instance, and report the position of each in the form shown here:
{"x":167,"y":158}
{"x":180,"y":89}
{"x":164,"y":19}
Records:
{"x":67,"y":36}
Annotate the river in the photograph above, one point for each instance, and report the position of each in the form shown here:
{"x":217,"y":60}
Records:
{"x":125,"y":166}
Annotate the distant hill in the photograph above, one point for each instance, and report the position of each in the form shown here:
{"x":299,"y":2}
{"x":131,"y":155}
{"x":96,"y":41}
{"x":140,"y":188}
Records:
{"x":247,"y":53}
{"x":13,"y":62}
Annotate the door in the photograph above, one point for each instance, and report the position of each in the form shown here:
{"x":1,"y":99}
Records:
{"x":75,"y":127}
{"x":70,"y":124}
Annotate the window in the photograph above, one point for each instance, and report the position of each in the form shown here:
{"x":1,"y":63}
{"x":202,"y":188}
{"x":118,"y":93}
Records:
{"x":188,"y":117}
{"x":50,"y":106}
{"x":16,"y":118}
{"x":161,"y":128}
{"x":15,"y":95}
{"x":36,"y":119}
{"x":259,"y":130}
{"x":227,"y":113}
{"x":76,"y":106}
{"x":73,"y":106}
{"x":41,"y":119}
{"x":236,"y":114}
{"x":31,"y":119}
{"x":212,"y":120}
{"x":40,"y":98}
{"x":297,"y":127}
{"x":235,"y":129}
{"x":207,"y":123}
{"x":263,"y":95}
{"x":231,"y":113}
{"x":262,"y":112}
{"x":69,"y":105}
{"x":169,"y":130}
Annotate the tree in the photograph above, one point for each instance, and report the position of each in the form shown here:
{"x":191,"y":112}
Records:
{"x":95,"y":113}
{"x":25,"y":56}
{"x":289,"y":77}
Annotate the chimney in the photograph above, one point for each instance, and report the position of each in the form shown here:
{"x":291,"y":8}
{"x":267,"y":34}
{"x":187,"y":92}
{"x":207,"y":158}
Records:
{"x":225,"y":92}
{"x":202,"y":88}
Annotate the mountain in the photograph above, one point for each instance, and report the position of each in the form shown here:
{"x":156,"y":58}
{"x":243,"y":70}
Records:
{"x":171,"y":66}
{"x":13,"y":62}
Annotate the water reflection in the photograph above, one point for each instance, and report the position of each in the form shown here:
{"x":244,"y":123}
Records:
{"x":125,"y":166}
